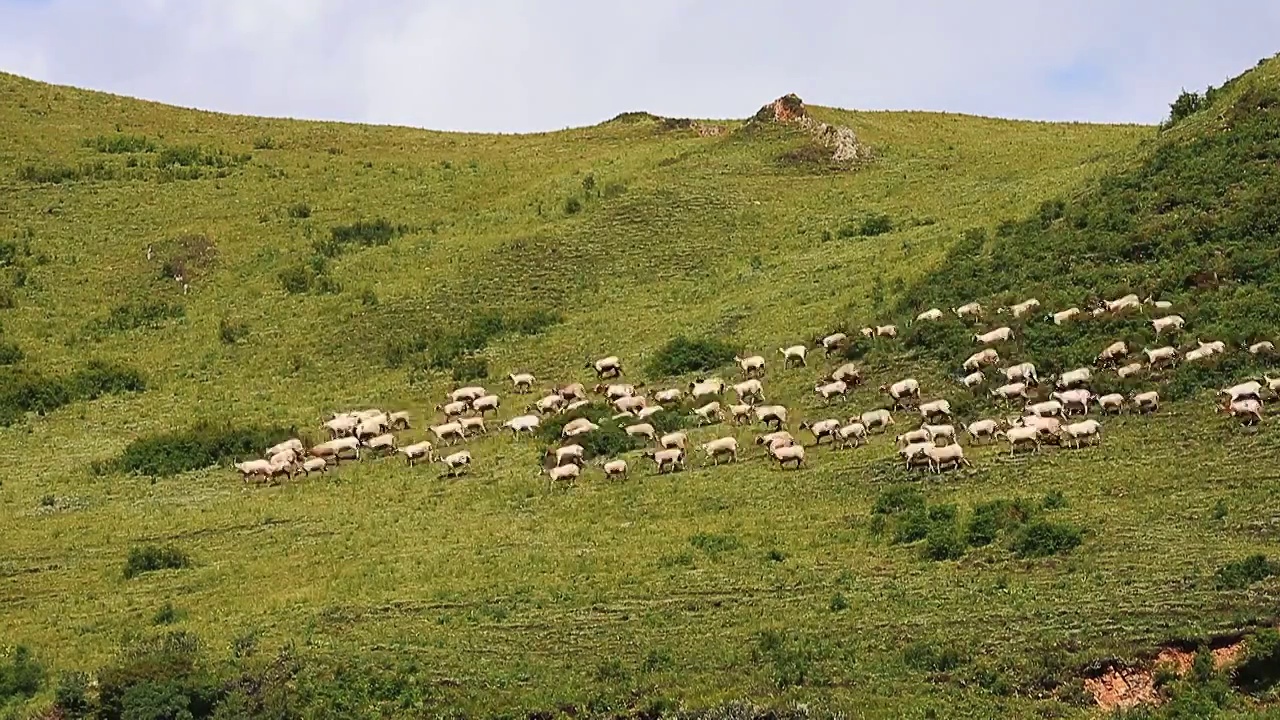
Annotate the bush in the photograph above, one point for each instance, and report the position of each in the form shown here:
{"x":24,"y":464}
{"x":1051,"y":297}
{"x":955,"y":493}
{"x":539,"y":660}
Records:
{"x":877,"y":224}
{"x":944,"y":542}
{"x":1259,"y":671}
{"x":990,"y":518}
{"x":71,"y":697}
{"x":100,"y":377}
{"x":231,"y":331}
{"x":1184,"y":106}
{"x":901,"y":498}
{"x":23,"y":391}
{"x":204,"y":444}
{"x":1043,"y":538}
{"x":166,"y":615}
{"x":931,"y":657}
{"x":10,"y":353}
{"x":297,"y":280}
{"x":469,"y":369}
{"x":362,"y":233}
{"x":264,"y":142}
{"x":572,"y":206}
{"x":150,"y":558}
{"x":121,"y":143}
{"x":448,"y":346}
{"x":21,"y":675}
{"x":682,"y":355}
{"x":58,"y":174}
{"x":299,"y":211}
{"x":144,"y":314}
{"x":1243,"y":573}
{"x":714,"y":544}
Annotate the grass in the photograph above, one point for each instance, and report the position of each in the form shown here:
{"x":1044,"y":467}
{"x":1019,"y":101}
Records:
{"x":695,"y":589}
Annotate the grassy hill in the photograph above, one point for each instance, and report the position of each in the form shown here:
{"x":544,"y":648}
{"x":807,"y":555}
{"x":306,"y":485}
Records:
{"x":332,"y":266}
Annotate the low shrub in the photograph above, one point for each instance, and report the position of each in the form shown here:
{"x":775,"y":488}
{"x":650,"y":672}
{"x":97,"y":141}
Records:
{"x":1243,"y":573}
{"x":99,"y":377}
{"x":71,"y":696}
{"x":990,"y":518}
{"x":202,"y":445}
{"x":23,"y":391}
{"x":875,"y":224}
{"x":10,"y":353}
{"x":297,"y":280}
{"x":944,"y":542}
{"x":1042,"y":538}
{"x":715,"y":543}
{"x":231,"y":332}
{"x":264,"y":142}
{"x":932,"y":657}
{"x":167,"y":615}
{"x":572,"y":206}
{"x":469,"y":369}
{"x":447,"y":346}
{"x":1259,"y":671}
{"x":362,"y":233}
{"x":682,"y":355}
{"x":21,"y":675}
{"x":299,"y":211}
{"x":150,"y":558}
{"x":121,"y":143}
{"x":143,"y":314}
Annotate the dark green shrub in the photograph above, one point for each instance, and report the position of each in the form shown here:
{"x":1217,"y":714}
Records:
{"x":1259,"y":671}
{"x":944,"y":541}
{"x":58,"y":174}
{"x":299,"y":211}
{"x":911,"y":525}
{"x":24,"y":391}
{"x":143,"y":314}
{"x":99,"y":377}
{"x":158,"y":678}
{"x":204,"y":444}
{"x":682,"y":355}
{"x":10,"y":353}
{"x":231,"y":331}
{"x":297,"y":280}
{"x":990,"y":518}
{"x":1184,"y":106}
{"x":362,"y":233}
{"x":166,"y":615}
{"x":713,"y":543}
{"x":121,"y":143}
{"x":471,"y":368}
{"x":572,"y":206}
{"x":150,"y":558}
{"x":932,"y":657}
{"x":876,"y":224}
{"x":791,"y":660}
{"x":448,"y":346}
{"x":1054,"y":500}
{"x":368,"y":297}
{"x":1042,"y":538}
{"x":71,"y":697}
{"x":21,"y":675}
{"x":264,"y":142}
{"x":839,"y":603}
{"x":1243,"y":573}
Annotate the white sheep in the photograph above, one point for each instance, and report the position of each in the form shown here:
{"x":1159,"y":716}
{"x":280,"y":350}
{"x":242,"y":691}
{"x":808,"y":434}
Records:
{"x":630,"y":404}
{"x":912,"y":437}
{"x":1062,"y":317}
{"x":937,"y":408}
{"x":740,"y":413}
{"x":1196,"y":355}
{"x":522,"y":424}
{"x":832,"y":389}
{"x":1074,"y":378}
{"x":795,"y":353}
{"x":523,"y":382}
{"x":571,"y":392}
{"x":1161,"y":356}
{"x":644,"y":430}
{"x":709,"y":413}
{"x":821,"y":429}
{"x":776,"y":438}
{"x":576,"y":427}
{"x":1025,"y":372}
{"x":972,"y":309}
{"x":1022,"y":308}
{"x":486,"y":403}
{"x":855,"y":433}
{"x":902,"y":390}
{"x":1020,"y":436}
{"x":1145,"y":402}
{"x":1130,"y":370}
{"x":833,"y":342}
{"x":293,"y":444}
{"x":983,"y":357}
{"x":1010,"y":391}
{"x":1266,"y":347}
{"x":417,"y":451}
{"x":889,"y":331}
{"x":1124,"y":303}
{"x":449,"y":432}
{"x":789,"y":453}
{"x":473,"y":425}
{"x":370,"y":428}
{"x":616,"y":468}
{"x":772,"y":415}
{"x":336,"y":447}
{"x":936,"y":432}
{"x":709,"y":387}
{"x":614,"y":391}
{"x":721,"y":446}
{"x":1077,"y":433}
{"x":1273,"y":384}
{"x":341,"y":426}
{"x":1250,"y":389}
{"x":467,"y":394}
{"x":453,"y":409}
{"x":673,"y":440}
{"x":548,"y":404}
{"x":314,"y":465}
{"x":875,"y":419}
{"x":981,"y":429}
{"x":1214,"y":347}
{"x":575,"y":405}
{"x":667,"y":460}
{"x":749,"y":391}
{"x":1112,"y":353}
{"x":753,"y":364}
{"x":649,"y":411}
{"x":1168,"y":322}
{"x":566,"y":454}
{"x":1047,"y":408}
{"x":1000,"y":334}
{"x":1249,"y":410}
{"x":949,"y":455}
{"x":562,"y":473}
{"x":914,"y":454}
{"x":848,"y":372}
{"x":382,"y":443}
{"x":1111,"y":402}
{"x":973,"y":380}
{"x":671,"y":395}
{"x":250,"y":468}
{"x":606,"y":367}
{"x":1078,"y":399}
{"x":1157,"y":304}
{"x":929,"y":315}
{"x":457,"y":462}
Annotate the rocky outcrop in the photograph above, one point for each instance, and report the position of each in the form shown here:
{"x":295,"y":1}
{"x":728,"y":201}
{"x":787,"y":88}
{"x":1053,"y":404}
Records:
{"x":843,"y":142}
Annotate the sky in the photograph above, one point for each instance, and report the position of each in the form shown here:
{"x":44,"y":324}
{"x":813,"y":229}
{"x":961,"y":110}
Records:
{"x":536,"y":65}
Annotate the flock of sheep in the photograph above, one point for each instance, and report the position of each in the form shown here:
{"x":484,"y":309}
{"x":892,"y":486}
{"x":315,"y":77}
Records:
{"x":1060,"y":418}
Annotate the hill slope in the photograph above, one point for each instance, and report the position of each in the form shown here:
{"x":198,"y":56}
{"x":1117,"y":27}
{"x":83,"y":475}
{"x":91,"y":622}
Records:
{"x":333,"y":266}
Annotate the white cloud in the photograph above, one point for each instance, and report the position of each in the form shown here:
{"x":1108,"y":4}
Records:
{"x":520,"y":65}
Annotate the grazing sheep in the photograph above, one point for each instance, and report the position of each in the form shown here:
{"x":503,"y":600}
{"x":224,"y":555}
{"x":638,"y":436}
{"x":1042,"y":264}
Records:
{"x":709,"y":413}
{"x":1168,"y":322}
{"x":673,"y":440}
{"x":400,"y":420}
{"x":1024,"y":372}
{"x":1076,"y":433}
{"x":523,"y":382}
{"x":576,"y":427}
{"x":670,"y":459}
{"x":1130,"y":370}
{"x":902,"y":390}
{"x":473,"y":425}
{"x":1112,"y":353}
{"x":1111,"y":402}
{"x":382,"y":443}
{"x":250,"y":468}
{"x":449,"y":432}
{"x":1000,"y":334}
{"x":484,"y":404}
{"x":1064,"y":316}
{"x":1023,"y":308}
{"x":867,"y":332}
{"x":1161,"y":356}
{"x":317,"y":464}
{"x":1262,"y":348}
{"x":566,"y":453}
{"x":788,"y":453}
{"x":293,"y":444}
{"x":1077,"y":399}
{"x":1048,"y":427}
{"x":606,"y":367}
{"x":949,"y":455}
{"x":710,"y":387}
{"x":1016,"y":436}
{"x":284,"y":457}
{"x":1273,"y":384}
{"x":1216,"y":346}
{"x":855,"y":433}
{"x":648,"y":411}
{"x":548,"y":404}
{"x":370,"y":428}
{"x":1251,"y":389}
{"x":751,"y":391}
{"x":795,"y":353}
{"x":616,"y":390}
{"x":1157,"y":304}
{"x":821,"y":429}
{"x":753,"y":364}
{"x":973,"y":380}
{"x":930,"y":315}
{"x":777,"y":438}
{"x":575,"y":405}
{"x":1197,"y":354}
{"x":671,"y":395}
{"x":1074,"y":378}
{"x":417,"y":451}
{"x":1124,"y":303}
{"x":457,"y":462}
{"x":453,"y":409}
{"x":740,"y":413}
{"x":946,"y":432}
{"x":875,"y":419}
{"x":334,"y":448}
{"x":341,"y":426}
{"x":1249,"y":410}
{"x":889,"y":331}
{"x":522,"y":424}
{"x":1048,"y":408}
{"x":914,"y":454}
{"x":937,"y":408}
{"x":848,"y":373}
{"x":644,"y":430}
{"x":570,"y":392}
{"x":1145,"y":402}
{"x":833,"y":342}
{"x":567,"y":473}
{"x":1010,"y":391}
{"x":981,"y":429}
{"x":772,"y":415}
{"x":912,"y":437}
{"x":467,"y":394}
{"x":630,"y":404}
{"x":983,"y":357}
{"x":722,"y":446}
{"x":616,"y":468}
{"x":972,"y":309}
{"x":832,"y":389}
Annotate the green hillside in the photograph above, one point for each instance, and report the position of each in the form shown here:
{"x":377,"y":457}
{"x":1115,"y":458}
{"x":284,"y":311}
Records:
{"x":331,"y":266}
